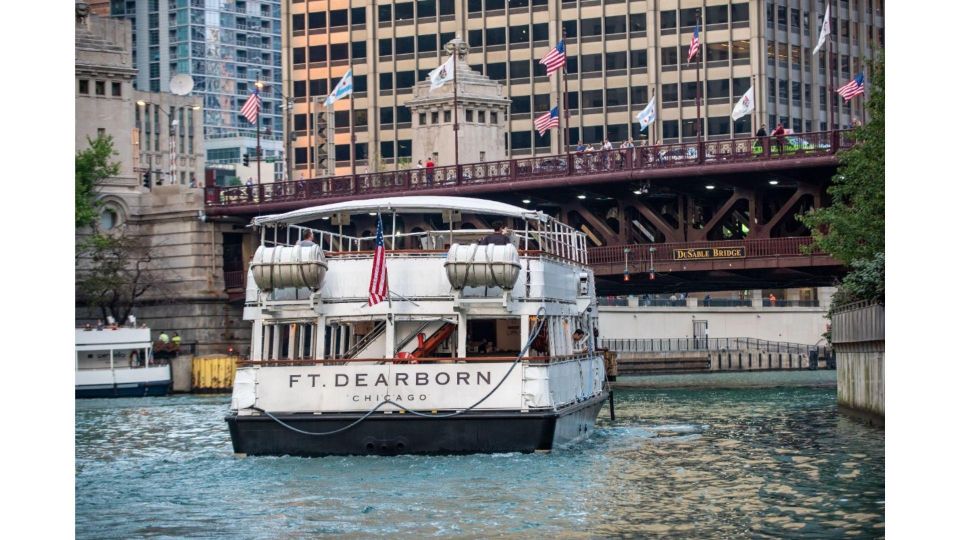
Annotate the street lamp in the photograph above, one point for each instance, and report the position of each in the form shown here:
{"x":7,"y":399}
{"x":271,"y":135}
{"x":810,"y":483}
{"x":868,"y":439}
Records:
{"x":173,"y":123}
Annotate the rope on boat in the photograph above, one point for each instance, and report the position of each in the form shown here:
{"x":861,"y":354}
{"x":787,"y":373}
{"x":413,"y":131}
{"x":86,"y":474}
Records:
{"x":541,"y":318}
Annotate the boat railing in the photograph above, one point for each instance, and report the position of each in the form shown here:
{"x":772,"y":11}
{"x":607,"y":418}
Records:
{"x":556,"y":239}
{"x":430,"y":360}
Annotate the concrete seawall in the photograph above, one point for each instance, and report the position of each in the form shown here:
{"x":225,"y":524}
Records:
{"x":858,"y":339}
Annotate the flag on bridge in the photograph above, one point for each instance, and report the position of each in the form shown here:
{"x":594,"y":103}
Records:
{"x":251,"y":109}
{"x":555,"y":59}
{"x":378,"y":276}
{"x":648,"y":114}
{"x":442,"y":74}
{"x":694,"y":43}
{"x":547,"y":121}
{"x":342,"y":89}
{"x":852,"y":89}
{"x":824,"y":30}
{"x":744,"y":106}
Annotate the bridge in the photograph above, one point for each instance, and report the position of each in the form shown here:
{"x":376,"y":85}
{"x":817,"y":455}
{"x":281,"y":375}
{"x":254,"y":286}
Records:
{"x":719,"y":214}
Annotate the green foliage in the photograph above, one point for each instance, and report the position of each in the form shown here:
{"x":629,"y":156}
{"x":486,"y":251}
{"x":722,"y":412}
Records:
{"x":92,"y":166}
{"x":852,"y":227}
{"x":118,"y":271}
{"x":864,"y":282}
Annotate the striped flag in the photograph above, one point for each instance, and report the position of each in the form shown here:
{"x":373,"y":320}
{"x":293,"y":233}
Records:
{"x":251,"y":109}
{"x":378,"y":277}
{"x":555,"y":59}
{"x":342,"y":89}
{"x":852,"y":89}
{"x":547,"y":121}
{"x":694,"y":43}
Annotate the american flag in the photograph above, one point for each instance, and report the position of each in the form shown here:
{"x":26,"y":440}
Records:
{"x":852,"y":88}
{"x":694,"y":43}
{"x":547,"y":121}
{"x":555,"y":59}
{"x":251,"y":109}
{"x":378,"y":277}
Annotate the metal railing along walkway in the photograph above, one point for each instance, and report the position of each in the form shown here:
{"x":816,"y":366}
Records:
{"x":537,"y":171}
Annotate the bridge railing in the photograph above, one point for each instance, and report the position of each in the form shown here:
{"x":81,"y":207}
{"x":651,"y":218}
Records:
{"x":641,"y":253}
{"x":708,"y":344}
{"x":664,"y":156}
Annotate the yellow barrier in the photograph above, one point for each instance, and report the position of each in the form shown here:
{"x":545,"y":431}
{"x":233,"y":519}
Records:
{"x":214,"y":373}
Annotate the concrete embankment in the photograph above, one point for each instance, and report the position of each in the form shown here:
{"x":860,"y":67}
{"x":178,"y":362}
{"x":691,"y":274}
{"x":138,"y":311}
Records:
{"x":858,"y":339}
{"x":680,"y":362}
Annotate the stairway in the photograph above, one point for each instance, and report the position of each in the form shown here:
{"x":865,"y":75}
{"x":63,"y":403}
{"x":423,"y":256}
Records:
{"x":366,"y":340}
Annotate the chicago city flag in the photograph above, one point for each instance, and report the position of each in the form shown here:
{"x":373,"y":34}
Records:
{"x":648,"y":114}
{"x":342,"y":89}
{"x":744,"y":106}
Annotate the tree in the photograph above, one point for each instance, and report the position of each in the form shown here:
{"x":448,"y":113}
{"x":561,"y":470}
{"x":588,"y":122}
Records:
{"x":119,"y":271}
{"x":92,"y":166}
{"x":852,"y":227}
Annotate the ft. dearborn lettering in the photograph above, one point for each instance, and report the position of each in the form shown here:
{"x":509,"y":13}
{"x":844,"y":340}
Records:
{"x":419,"y":378}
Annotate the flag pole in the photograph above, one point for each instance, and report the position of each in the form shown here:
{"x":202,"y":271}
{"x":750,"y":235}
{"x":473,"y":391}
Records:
{"x":260,"y":100}
{"x":456,"y":115}
{"x":697,"y":60}
{"x":753,"y":118}
{"x":353,"y":137}
{"x":831,"y":98}
{"x":566,"y":102}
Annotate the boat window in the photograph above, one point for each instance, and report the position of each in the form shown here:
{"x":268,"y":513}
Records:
{"x":493,"y":337}
{"x":128,"y":358}
{"x":288,"y":341}
{"x":93,"y":359}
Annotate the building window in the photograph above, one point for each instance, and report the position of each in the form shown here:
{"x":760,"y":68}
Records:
{"x":718,"y":125}
{"x":716,"y":15}
{"x":520,"y":69}
{"x":520,"y":104}
{"x":469,"y":115}
{"x":591,"y":27}
{"x":520,"y":140}
{"x":115,"y":89}
{"x":638,"y":22}
{"x":718,"y":88}
{"x":423,"y":118}
{"x":317,"y":19}
{"x":84,"y":86}
{"x":386,"y":116}
{"x":740,"y":12}
{"x":386,"y":81}
{"x":358,"y":49}
{"x":668,"y":56}
{"x":520,"y":34}
{"x":493,"y":118}
{"x":386,"y":149}
{"x":358,"y":16}
{"x":616,"y":96}
{"x":101,"y":88}
{"x":427,"y":43}
{"x":638,"y":59}
{"x":404,"y":45}
{"x":498,"y":71}
{"x":404,"y":148}
{"x":481,"y":118}
{"x":446,"y":116}
{"x":108,"y":219}
{"x":496,"y":36}
{"x":669,"y":93}
{"x":384,"y":15}
{"x":668,"y":19}
{"x":338,"y":18}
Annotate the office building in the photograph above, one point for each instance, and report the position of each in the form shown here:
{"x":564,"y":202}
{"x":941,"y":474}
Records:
{"x":226,"y":46}
{"x":619,"y":53}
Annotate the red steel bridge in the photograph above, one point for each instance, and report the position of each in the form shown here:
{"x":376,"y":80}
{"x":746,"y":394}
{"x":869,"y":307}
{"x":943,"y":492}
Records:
{"x":715,"y":215}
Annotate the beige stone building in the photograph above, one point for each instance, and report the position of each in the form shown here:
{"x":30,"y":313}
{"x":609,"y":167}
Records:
{"x":189,"y":253}
{"x":620,"y":53}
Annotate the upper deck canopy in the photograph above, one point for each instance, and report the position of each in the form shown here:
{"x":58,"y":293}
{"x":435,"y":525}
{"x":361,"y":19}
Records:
{"x":403,"y":205}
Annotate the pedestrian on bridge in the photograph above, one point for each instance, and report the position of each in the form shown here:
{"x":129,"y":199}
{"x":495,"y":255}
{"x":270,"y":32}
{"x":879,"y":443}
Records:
{"x":779,"y":134}
{"x":761,"y":133}
{"x":430,"y":166}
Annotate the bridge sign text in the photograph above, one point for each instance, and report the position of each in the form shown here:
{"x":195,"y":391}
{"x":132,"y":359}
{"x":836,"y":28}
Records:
{"x":699,"y":254}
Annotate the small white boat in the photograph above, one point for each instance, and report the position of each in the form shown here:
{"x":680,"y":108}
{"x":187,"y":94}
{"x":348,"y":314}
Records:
{"x":118,"y":362}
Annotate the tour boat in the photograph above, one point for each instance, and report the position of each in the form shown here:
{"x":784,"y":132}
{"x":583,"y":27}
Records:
{"x":118,"y":362}
{"x":471,"y":349}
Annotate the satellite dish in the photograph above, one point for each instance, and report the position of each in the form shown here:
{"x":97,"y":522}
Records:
{"x":181,"y":84}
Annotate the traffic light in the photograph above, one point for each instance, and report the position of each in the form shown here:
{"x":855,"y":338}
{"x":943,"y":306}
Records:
{"x":146,"y":179}
{"x":246,"y":160}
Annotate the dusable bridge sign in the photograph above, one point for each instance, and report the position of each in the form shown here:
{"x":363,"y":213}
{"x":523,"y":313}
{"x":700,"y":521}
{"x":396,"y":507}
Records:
{"x":699,"y":254}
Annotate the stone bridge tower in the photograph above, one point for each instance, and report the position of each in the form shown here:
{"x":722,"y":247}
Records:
{"x":482,"y":111}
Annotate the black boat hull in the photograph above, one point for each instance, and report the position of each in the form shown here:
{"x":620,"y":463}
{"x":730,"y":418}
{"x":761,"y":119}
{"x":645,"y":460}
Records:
{"x":393,"y":434}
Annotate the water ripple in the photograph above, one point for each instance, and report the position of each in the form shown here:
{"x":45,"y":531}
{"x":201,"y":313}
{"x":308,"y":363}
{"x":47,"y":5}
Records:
{"x":757,"y":463}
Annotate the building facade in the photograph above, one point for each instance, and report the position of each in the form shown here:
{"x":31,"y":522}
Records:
{"x":188,"y":253}
{"x":168,"y":140}
{"x":620,"y":53}
{"x":226,"y":46}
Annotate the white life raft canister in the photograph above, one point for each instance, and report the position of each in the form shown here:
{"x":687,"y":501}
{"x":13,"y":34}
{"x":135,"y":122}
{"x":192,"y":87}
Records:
{"x":482,"y":266}
{"x":288,"y":266}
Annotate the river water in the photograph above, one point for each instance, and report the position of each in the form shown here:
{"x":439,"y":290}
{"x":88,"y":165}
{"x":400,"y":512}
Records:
{"x":747,"y":463}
